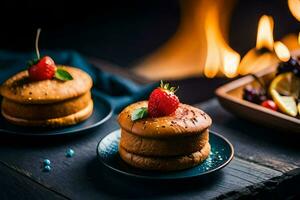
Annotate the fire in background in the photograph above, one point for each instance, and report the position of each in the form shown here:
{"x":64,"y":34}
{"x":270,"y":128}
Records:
{"x":200,"y":46}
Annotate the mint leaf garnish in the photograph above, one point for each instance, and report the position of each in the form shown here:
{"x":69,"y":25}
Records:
{"x":62,"y":75}
{"x":139,"y":113}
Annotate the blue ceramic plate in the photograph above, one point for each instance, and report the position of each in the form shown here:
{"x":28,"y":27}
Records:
{"x":101,"y":113}
{"x":221,"y":154}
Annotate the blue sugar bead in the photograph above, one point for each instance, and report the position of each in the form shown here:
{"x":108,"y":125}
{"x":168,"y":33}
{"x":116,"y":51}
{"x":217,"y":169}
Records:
{"x":70,"y":153}
{"x":46,"y":162}
{"x":47,"y":168}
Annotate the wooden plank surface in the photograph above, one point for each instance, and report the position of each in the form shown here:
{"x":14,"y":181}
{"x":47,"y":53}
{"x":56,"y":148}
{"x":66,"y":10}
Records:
{"x":83,"y":176}
{"x":15,"y":186}
{"x":282,"y":187}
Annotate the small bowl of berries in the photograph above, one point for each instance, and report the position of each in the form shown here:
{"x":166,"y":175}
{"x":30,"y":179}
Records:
{"x":270,"y":98}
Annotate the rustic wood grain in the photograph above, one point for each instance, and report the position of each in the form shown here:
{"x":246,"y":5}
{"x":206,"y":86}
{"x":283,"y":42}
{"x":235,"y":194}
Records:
{"x":16,"y":186}
{"x":83,"y":176}
{"x":282,"y":187}
{"x":204,"y":188}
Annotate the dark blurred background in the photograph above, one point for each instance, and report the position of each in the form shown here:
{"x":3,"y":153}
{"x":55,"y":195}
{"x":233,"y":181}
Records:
{"x":122,"y":31}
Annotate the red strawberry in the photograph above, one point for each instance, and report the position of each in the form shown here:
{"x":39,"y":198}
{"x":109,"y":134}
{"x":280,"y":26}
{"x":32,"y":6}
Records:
{"x":44,"y":69}
{"x":269,"y":104}
{"x":162,"y":101}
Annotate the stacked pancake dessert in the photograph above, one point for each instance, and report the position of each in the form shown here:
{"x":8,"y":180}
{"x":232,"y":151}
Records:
{"x":48,"y":102}
{"x":163,"y":134}
{"x":47,"y":94}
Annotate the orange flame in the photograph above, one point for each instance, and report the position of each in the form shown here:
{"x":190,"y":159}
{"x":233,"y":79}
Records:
{"x":282,"y":51}
{"x":294,"y":6}
{"x":231,"y":61}
{"x":291,"y":41}
{"x":213,"y":57}
{"x":220,"y":57}
{"x":198,"y":47}
{"x":260,"y":57}
{"x":264,"y":37}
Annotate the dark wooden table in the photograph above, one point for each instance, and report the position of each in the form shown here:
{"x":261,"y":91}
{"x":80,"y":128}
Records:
{"x":266,"y":165}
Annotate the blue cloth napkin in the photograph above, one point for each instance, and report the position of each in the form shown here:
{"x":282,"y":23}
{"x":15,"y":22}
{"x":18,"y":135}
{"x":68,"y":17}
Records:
{"x":117,"y":90}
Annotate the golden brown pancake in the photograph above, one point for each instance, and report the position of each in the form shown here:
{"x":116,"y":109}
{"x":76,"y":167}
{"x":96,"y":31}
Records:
{"x":45,"y":111}
{"x":21,"y":89}
{"x":149,"y":146}
{"x":54,"y":122}
{"x":49,"y":102}
{"x":165,"y":163}
{"x":187,"y":120}
{"x":173,"y":142}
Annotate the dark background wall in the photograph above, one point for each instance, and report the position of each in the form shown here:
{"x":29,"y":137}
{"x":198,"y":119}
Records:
{"x":245,"y":19}
{"x":122,"y":31}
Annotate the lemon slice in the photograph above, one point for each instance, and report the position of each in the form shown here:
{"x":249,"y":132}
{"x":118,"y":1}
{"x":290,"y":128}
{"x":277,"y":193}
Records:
{"x":286,"y":84}
{"x":286,"y":104}
{"x":285,"y":89}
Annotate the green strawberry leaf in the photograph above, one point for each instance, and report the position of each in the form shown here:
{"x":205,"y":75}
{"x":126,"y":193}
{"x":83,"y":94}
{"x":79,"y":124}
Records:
{"x":174,"y":89}
{"x":63,"y":75}
{"x":139,"y":113}
{"x":166,"y":86}
{"x":32,"y":62}
{"x":161,"y":84}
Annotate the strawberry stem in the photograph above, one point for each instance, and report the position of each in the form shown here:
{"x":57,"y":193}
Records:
{"x":167,"y":86}
{"x":37,"y":43}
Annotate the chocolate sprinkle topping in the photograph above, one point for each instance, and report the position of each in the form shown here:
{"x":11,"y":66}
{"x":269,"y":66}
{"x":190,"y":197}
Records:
{"x":203,"y":115}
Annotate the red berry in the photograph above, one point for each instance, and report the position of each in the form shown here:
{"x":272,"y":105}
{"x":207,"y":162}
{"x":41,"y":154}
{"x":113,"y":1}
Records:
{"x":269,"y":104}
{"x":46,"y":60}
{"x":162,"y":102}
{"x":43,"y":70}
